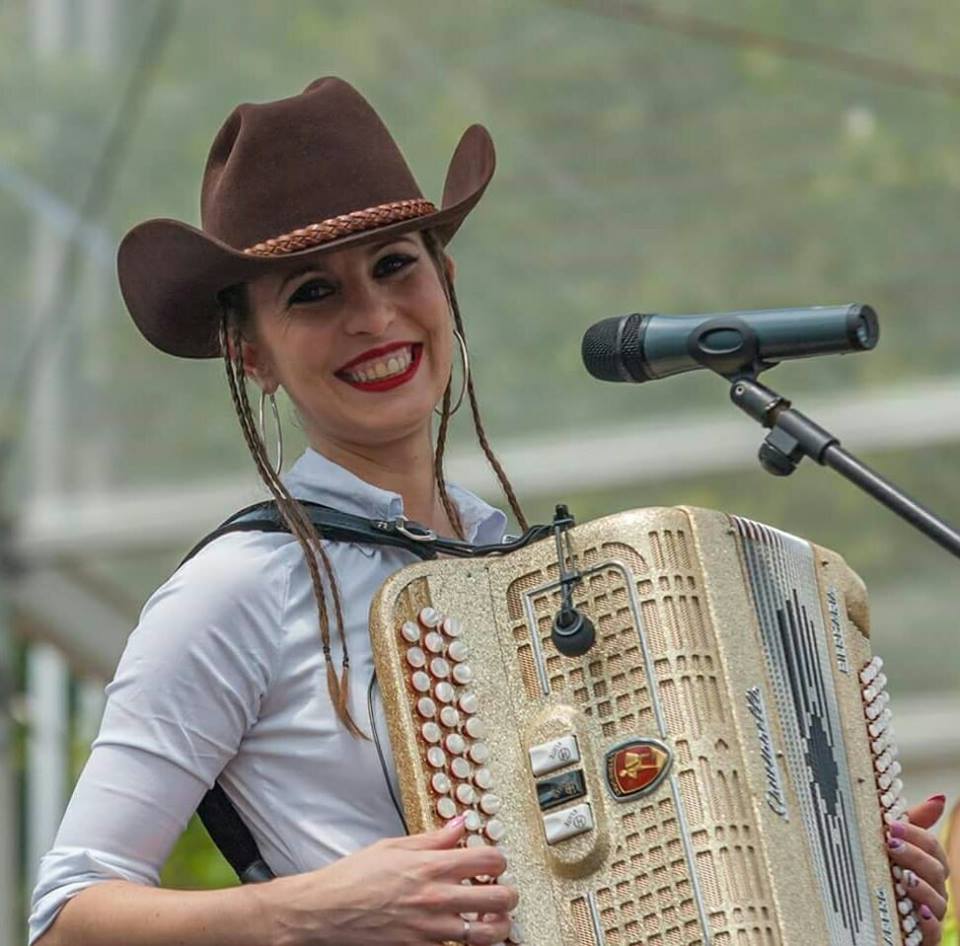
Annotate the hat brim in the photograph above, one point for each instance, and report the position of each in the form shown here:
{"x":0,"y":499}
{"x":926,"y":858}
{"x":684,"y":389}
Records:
{"x":171,"y":273}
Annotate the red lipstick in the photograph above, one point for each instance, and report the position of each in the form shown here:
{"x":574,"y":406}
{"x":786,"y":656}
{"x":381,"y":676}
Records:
{"x":383,"y":384}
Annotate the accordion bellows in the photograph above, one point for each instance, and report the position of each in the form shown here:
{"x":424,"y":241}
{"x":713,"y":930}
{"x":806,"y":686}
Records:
{"x":715,"y":771}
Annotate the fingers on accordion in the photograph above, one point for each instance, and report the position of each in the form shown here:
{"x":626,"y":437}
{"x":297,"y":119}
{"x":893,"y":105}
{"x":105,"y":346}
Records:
{"x":484,"y":898}
{"x":468,"y":862}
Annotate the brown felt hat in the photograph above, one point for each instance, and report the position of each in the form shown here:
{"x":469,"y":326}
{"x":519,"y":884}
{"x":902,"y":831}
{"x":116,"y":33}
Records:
{"x":285,"y":180}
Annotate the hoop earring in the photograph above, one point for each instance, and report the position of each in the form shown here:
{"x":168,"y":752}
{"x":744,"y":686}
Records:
{"x":465,"y":361}
{"x":276,"y":420}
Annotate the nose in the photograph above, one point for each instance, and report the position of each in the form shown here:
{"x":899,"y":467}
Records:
{"x":369,"y":311}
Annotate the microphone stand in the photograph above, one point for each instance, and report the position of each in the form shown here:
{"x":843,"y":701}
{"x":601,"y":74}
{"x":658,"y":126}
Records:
{"x":794,"y":436}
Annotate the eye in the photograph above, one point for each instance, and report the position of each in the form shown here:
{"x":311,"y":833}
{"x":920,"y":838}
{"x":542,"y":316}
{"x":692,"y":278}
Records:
{"x":392,"y":263}
{"x":313,"y":290}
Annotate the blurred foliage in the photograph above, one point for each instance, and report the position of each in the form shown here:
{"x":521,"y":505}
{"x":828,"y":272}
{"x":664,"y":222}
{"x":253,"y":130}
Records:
{"x":638,"y":169}
{"x":195,"y":864}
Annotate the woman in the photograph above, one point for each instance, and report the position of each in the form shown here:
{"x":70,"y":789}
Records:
{"x":320,"y":268}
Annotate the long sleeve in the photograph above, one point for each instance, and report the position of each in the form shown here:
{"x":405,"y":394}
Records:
{"x":188,"y":688}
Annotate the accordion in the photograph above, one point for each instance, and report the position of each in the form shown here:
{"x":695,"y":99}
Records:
{"x":715,"y":770}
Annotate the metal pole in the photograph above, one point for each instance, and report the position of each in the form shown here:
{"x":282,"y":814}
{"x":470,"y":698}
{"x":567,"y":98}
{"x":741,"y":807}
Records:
{"x":47,"y":669}
{"x":9,"y":861}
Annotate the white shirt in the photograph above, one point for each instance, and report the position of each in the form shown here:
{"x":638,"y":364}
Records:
{"x":224,"y":680}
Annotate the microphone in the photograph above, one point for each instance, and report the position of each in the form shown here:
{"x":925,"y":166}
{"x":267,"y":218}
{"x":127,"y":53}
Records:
{"x":649,"y":347}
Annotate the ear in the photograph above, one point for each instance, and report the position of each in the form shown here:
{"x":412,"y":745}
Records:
{"x":258,"y":365}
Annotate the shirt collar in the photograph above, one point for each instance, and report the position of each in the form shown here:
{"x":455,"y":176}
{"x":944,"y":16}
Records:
{"x":318,"y":479}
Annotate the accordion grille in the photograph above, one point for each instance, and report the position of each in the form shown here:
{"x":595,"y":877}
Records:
{"x":653,"y":903}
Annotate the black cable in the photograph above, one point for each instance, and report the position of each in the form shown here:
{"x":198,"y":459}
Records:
{"x":721,"y":34}
{"x":56,"y":314}
{"x":380,"y":755}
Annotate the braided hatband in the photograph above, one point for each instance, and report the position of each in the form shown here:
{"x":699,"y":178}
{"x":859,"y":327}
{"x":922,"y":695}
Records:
{"x":355,"y":222}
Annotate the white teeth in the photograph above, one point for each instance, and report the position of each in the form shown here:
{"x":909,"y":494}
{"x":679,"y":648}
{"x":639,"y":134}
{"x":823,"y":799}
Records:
{"x":397,"y":363}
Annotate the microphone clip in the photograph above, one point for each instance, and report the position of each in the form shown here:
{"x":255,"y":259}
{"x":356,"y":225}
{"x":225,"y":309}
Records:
{"x":728,"y":346}
{"x":573,"y":633}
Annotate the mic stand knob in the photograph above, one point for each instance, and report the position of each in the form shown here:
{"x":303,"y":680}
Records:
{"x":780,"y":454}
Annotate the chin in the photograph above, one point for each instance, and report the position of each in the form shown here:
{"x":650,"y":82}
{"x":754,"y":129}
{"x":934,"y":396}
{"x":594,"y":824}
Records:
{"x":386,"y":423}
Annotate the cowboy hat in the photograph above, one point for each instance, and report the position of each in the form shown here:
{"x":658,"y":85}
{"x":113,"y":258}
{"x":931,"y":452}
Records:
{"x":284,"y":180}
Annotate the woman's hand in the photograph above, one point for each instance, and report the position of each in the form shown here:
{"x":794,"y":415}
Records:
{"x":921,"y":864}
{"x":400,"y":891}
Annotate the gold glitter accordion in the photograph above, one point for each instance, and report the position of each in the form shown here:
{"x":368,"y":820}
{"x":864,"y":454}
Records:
{"x":717,"y":768}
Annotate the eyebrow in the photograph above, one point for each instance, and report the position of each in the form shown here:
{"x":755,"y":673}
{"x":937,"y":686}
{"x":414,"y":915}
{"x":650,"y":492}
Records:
{"x":318,"y":268}
{"x":296,"y":274}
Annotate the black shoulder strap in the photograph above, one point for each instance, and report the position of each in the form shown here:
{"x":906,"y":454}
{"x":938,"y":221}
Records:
{"x":232,"y":837}
{"x":336,"y":526}
{"x":222,"y":821}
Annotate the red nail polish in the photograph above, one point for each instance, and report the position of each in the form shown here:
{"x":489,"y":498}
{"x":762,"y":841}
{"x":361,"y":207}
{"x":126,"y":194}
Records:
{"x":897,"y":829}
{"x":938,"y":798}
{"x":894,"y":844}
{"x":926,"y":912}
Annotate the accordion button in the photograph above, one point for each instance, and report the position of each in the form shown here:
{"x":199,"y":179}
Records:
{"x":881,"y":723}
{"x":568,"y":823}
{"x":472,"y":821}
{"x":446,"y":807}
{"x":439,"y":667}
{"x":516,"y":933}
{"x":458,"y":651}
{"x":489,"y":804}
{"x":444,"y":691}
{"x":436,"y":757}
{"x":507,"y":879}
{"x":869,"y":673}
{"x":469,"y":703}
{"x":479,"y":752}
{"x":495,"y":830}
{"x":430,"y":617}
{"x":421,"y":681}
{"x":475,"y":840}
{"x":431,"y":732}
{"x":416,"y":657}
{"x":455,"y":743}
{"x":433,"y":642}
{"x":460,"y":767}
{"x":476,"y":728}
{"x":463,"y":674}
{"x":452,"y":627}
{"x":466,"y":794}
{"x":554,"y":755}
{"x":441,"y":783}
{"x":426,"y":707}
{"x":449,"y":717}
{"x":410,"y":632}
{"x":889,"y":777}
{"x":483,"y":779}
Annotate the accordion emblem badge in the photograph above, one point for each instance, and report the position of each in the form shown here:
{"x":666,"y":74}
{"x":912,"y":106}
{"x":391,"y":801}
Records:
{"x":636,"y":767}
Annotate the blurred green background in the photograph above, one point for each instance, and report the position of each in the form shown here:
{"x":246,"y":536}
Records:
{"x":680,"y":158}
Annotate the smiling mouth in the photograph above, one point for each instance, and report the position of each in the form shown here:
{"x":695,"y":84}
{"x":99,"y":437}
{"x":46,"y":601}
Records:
{"x":384,"y":371}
